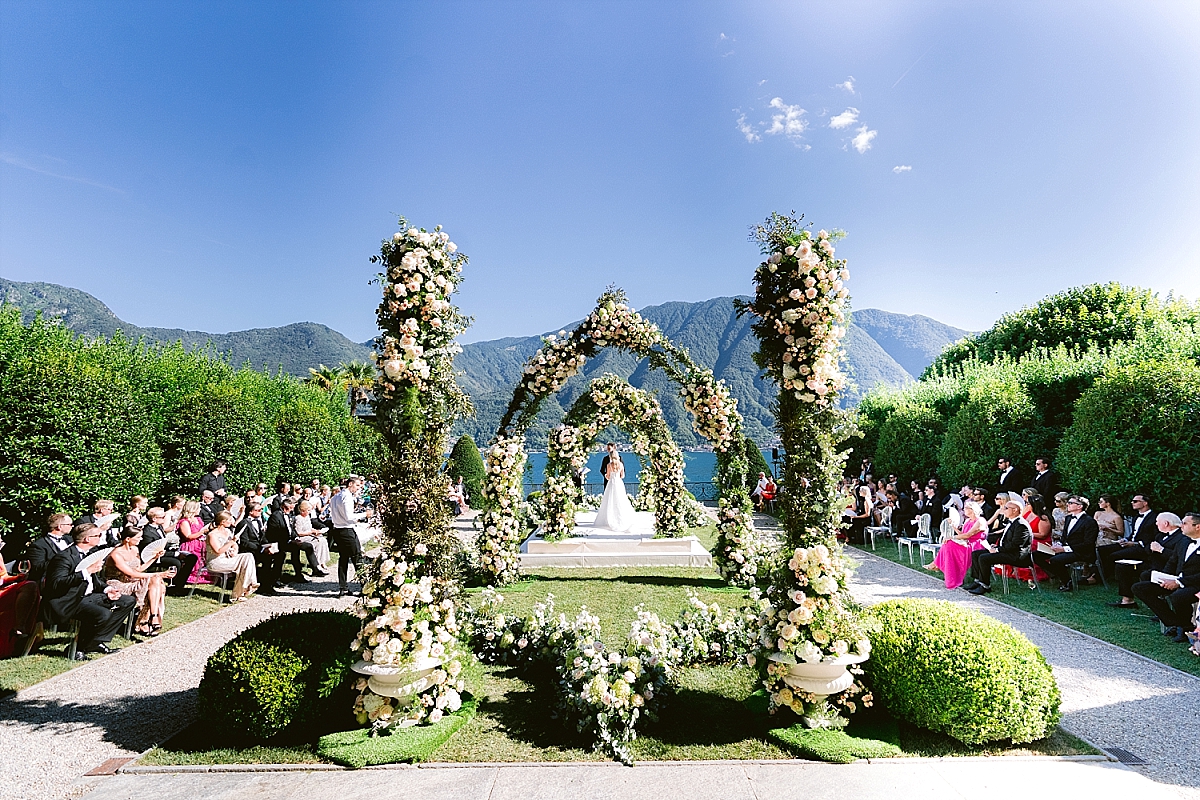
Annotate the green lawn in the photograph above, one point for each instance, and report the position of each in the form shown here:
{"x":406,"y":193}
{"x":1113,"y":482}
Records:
{"x":1083,"y":610}
{"x":50,"y":659}
{"x":704,"y":719}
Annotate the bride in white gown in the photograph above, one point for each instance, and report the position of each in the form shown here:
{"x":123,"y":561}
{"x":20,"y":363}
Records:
{"x":616,"y":512}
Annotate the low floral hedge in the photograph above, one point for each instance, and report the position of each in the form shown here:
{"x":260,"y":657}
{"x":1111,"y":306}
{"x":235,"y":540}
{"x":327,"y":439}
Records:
{"x":953,"y":670}
{"x":279,"y":672}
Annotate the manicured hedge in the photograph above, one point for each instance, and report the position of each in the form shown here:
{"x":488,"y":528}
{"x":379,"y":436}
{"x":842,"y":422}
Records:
{"x":312,"y":443}
{"x":953,"y":670}
{"x":466,"y":461}
{"x":998,"y":419}
{"x":1138,"y":430}
{"x":284,"y":670}
{"x":909,"y":441}
{"x":365,"y":445}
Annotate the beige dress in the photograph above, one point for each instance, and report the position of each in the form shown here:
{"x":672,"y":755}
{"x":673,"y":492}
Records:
{"x":304,"y":530}
{"x":1112,"y":527}
{"x":242,"y":565}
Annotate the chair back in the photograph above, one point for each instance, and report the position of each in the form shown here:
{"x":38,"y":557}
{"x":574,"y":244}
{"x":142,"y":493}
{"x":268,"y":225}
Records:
{"x":885,"y":517}
{"x":947,"y":530}
{"x":923,"y":526}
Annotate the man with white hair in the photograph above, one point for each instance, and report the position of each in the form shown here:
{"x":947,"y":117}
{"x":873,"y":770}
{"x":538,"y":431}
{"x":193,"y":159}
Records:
{"x":1012,"y":549}
{"x":1171,"y":598}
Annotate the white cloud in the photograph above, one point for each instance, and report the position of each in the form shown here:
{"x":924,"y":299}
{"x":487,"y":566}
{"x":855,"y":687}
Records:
{"x":902,"y":168}
{"x":790,"y":122}
{"x":862,"y":139}
{"x":747,"y":130}
{"x":764,"y":80}
{"x":844,"y":119}
{"x":847,"y":84}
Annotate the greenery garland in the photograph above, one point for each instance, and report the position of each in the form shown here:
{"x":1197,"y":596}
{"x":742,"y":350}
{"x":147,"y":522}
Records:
{"x":808,"y":614}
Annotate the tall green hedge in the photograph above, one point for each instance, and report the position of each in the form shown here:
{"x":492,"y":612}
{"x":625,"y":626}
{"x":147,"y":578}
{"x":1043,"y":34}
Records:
{"x":366,"y":446}
{"x":1138,"y":430}
{"x":312,"y":444}
{"x":953,"y":670}
{"x":909,"y":441}
{"x":465,"y":460}
{"x":999,"y":419}
{"x":755,"y":463}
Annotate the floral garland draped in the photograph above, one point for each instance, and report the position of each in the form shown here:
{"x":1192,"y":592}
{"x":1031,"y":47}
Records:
{"x":612,"y":401}
{"x":807,"y":614}
{"x":614,"y":324}
{"x":409,"y":596}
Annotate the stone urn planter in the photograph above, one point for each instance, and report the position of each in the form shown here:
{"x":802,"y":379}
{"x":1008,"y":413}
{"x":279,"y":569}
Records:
{"x":399,"y":682}
{"x":820,"y":678}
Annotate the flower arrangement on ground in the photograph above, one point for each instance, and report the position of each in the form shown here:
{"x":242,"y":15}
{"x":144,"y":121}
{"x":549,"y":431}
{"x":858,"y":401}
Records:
{"x":808,"y":616}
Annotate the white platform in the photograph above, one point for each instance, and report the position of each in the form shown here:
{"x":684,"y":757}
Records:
{"x":596,"y":547}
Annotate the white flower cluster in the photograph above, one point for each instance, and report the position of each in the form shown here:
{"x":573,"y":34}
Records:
{"x":802,"y":296}
{"x":707,"y":634}
{"x":418,"y":320}
{"x":409,"y":621}
{"x":554,"y":364}
{"x":501,"y":534}
{"x":809,"y":621}
{"x":714,"y":411}
{"x":740,"y":553}
{"x":558,"y":502}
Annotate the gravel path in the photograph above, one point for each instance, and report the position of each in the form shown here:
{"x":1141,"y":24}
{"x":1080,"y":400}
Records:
{"x":1110,"y":696}
{"x":119,"y":705}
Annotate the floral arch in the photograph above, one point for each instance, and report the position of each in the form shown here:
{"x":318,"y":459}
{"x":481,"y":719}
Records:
{"x":614,"y":324}
{"x":612,"y":401}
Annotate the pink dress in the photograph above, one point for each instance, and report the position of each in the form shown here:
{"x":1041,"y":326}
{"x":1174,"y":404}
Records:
{"x":193,"y":546}
{"x":954,"y":557}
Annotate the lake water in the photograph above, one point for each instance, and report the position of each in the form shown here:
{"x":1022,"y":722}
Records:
{"x":697,"y":467}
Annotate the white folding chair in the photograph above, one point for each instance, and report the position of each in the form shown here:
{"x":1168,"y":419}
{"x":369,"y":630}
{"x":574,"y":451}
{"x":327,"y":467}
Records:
{"x":884,"y":527}
{"x":910,"y":541}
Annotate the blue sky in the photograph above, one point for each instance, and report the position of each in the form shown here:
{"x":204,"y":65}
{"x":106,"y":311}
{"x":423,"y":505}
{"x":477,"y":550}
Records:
{"x":222,"y":166}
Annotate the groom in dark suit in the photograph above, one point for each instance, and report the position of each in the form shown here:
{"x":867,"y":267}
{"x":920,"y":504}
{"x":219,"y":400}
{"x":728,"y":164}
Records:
{"x":70,"y":594}
{"x":612,"y":453}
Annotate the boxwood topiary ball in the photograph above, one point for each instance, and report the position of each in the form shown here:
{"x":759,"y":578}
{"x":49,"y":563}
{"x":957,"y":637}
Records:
{"x":954,"y":670}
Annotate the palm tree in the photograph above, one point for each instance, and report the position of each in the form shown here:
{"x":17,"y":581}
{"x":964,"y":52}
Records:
{"x":327,"y":378}
{"x":358,"y":377}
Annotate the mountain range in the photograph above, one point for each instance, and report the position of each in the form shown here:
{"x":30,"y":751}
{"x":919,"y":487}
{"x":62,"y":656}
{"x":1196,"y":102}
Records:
{"x":881,"y":348}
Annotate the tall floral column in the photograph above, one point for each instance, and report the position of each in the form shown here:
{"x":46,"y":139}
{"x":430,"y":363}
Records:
{"x":810,"y":635}
{"x":408,"y":641}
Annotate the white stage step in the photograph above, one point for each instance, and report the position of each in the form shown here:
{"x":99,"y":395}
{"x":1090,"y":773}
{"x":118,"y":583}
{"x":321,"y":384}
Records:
{"x":596,"y":547}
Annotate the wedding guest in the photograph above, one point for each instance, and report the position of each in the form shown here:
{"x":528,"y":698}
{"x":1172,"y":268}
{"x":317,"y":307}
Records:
{"x":997,"y":520}
{"x":1110,"y":522}
{"x":1079,"y":535}
{"x":221,"y":556}
{"x":1059,"y":513}
{"x":342,"y":518}
{"x":1171,"y":598}
{"x":1010,"y":478}
{"x":987,"y":508}
{"x":460,"y":489}
{"x":125,"y":571}
{"x":1141,"y":561}
{"x":172,"y":558}
{"x":282,"y":489}
{"x":756,"y":495}
{"x":861,"y":517}
{"x":232,"y":504}
{"x":306,"y":532}
{"x":191,"y":540}
{"x":42,"y":549}
{"x":1134,"y":545}
{"x":214,"y":480}
{"x":252,"y":535}
{"x":70,"y":594}
{"x":137,"y":506}
{"x":281,"y":529}
{"x":20,"y":598}
{"x":104,"y":518}
{"x":172,"y":513}
{"x":954,"y":556}
{"x":1012,"y":549}
{"x":1045,"y":480}
{"x":209,"y":507}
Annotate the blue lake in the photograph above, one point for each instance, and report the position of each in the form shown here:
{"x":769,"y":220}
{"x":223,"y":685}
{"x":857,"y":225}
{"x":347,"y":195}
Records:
{"x":697,"y":467}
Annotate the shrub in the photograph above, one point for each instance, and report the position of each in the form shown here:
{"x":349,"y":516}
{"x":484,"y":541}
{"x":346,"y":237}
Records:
{"x":953,"y":670}
{"x":1138,"y":430}
{"x":226,"y":421}
{"x":909,"y":441}
{"x":279,"y":672}
{"x":72,"y":432}
{"x":312,"y":444}
{"x":999,"y":419}
{"x":365,"y":445}
{"x":465,"y":460}
{"x":755,"y":463}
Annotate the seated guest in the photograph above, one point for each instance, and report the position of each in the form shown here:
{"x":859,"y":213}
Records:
{"x":104,"y":518}
{"x":461,"y":489}
{"x":1143,"y":560}
{"x":308,"y":532}
{"x":997,"y":521}
{"x":1110,"y":521}
{"x":252,"y":533}
{"x":137,"y":506}
{"x":210,"y":506}
{"x":1079,"y":544}
{"x":1012,"y":549}
{"x":282,"y":489}
{"x":986,"y":507}
{"x":953,"y":558}
{"x":221,"y":556}
{"x":233,"y":504}
{"x":20,"y":630}
{"x":1059,"y":513}
{"x":72,"y":595}
{"x":1171,"y":599}
{"x":1133,"y":546}
{"x":173,"y":512}
{"x":125,"y":571}
{"x":281,"y":529}
{"x":756,"y":495}
{"x":904,"y":511}
{"x":172,"y":558}
{"x":190,"y":529}
{"x":933,"y":505}
{"x":42,"y":549}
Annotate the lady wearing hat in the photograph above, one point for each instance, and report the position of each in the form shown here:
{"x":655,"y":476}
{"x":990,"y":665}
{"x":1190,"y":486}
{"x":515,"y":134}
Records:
{"x":954,"y":556}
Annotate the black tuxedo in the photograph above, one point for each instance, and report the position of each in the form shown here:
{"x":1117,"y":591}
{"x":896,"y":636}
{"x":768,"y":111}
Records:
{"x":1080,"y":534}
{"x":1145,"y":531}
{"x":171,"y":557}
{"x":1148,"y":560}
{"x":604,"y":469}
{"x":207,"y":515}
{"x":1012,"y":549}
{"x":281,"y":530}
{"x":1047,"y":485}
{"x":1011,"y":481}
{"x":1173,"y":607}
{"x":252,"y":535}
{"x":39,"y":553}
{"x":67,"y":598}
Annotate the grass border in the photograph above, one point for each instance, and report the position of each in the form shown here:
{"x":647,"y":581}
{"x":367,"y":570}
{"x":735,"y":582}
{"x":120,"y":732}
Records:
{"x":357,"y":748}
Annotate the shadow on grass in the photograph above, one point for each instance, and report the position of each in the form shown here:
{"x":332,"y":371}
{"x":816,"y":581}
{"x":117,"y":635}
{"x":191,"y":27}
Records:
{"x":526,"y":715}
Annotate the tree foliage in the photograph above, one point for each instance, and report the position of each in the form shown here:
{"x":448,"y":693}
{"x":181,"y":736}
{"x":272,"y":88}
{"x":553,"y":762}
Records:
{"x":998,"y":419}
{"x":466,"y":461}
{"x":910,"y":438}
